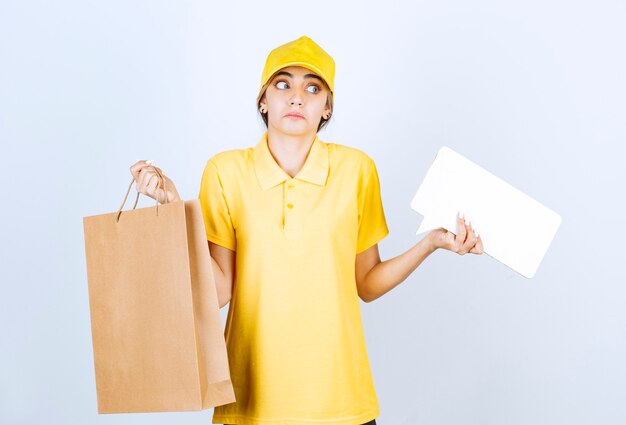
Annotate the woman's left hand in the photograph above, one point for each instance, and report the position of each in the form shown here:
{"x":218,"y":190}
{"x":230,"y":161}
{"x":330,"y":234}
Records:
{"x":466,"y":241}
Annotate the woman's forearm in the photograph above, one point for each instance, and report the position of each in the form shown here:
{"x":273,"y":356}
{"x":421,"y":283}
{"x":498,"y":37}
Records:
{"x":386,"y":275}
{"x":222,"y":284}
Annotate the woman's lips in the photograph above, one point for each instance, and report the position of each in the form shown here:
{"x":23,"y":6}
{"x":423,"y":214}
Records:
{"x":294,"y":115}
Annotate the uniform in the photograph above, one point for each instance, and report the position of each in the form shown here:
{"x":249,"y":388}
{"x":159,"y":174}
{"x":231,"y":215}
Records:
{"x":294,"y":334}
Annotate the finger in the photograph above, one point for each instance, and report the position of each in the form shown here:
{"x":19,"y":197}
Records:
{"x":134,"y":169}
{"x":160,"y":196}
{"x":475,"y":251}
{"x":461,"y":234}
{"x":479,"y":245}
{"x":139,"y":180}
{"x":137,"y":166}
{"x":470,"y":241}
{"x":151,"y":186}
{"x":462,"y":231}
{"x":145,"y":175}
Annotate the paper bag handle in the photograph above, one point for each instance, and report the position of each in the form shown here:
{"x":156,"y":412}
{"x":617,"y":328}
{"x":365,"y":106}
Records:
{"x":161,"y":185}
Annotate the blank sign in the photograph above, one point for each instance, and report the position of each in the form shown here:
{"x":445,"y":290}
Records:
{"x":516,"y":229}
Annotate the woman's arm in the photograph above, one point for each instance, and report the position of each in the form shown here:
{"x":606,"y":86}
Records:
{"x":375,"y":278}
{"x":223,"y":262}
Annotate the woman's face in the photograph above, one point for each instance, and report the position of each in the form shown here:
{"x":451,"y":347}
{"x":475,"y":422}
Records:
{"x":295,"y":100}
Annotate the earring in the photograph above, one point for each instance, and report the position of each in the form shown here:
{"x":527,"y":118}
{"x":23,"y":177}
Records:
{"x":262,"y":109}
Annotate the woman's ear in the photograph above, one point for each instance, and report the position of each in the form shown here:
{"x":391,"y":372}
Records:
{"x":327,"y":109}
{"x":326,"y":114}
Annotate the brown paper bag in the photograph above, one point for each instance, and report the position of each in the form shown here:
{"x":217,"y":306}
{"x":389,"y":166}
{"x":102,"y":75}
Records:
{"x":158,"y":340}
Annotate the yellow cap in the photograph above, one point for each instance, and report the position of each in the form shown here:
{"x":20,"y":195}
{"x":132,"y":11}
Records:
{"x":301,"y":52}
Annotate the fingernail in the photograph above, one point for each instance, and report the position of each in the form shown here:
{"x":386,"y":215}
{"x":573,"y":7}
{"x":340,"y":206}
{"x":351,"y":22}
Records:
{"x":149,"y":161}
{"x":477,"y":234}
{"x":460,"y":214}
{"x":466,"y":222}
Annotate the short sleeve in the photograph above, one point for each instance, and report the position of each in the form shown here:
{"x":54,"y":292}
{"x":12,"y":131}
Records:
{"x":372,"y":223}
{"x":217,"y":219}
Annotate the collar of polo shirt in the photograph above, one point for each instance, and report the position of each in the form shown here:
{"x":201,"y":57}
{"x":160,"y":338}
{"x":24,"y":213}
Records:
{"x":269,"y":173}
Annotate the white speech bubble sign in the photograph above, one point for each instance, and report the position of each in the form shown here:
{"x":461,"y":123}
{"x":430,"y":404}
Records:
{"x":515,"y":229}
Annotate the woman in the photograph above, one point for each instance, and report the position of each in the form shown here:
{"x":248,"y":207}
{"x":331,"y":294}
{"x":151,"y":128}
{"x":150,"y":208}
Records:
{"x":293,"y":226}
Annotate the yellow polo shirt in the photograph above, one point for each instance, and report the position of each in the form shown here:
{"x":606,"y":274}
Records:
{"x":294,"y":334}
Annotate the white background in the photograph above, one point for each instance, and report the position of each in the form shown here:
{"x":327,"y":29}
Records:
{"x":533,"y":91}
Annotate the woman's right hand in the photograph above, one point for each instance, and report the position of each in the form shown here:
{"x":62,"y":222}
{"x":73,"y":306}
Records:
{"x":146,"y":181}
{"x":466,"y":241}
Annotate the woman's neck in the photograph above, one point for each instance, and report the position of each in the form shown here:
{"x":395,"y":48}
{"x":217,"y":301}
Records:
{"x":289,"y":151}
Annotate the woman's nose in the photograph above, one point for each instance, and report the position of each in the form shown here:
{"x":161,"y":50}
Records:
{"x":296,"y":98}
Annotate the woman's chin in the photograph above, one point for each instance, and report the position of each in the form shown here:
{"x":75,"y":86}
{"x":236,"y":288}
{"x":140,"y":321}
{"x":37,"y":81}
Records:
{"x":295,"y":128}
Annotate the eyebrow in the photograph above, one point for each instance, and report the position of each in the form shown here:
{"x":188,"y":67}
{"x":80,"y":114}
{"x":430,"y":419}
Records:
{"x":305,"y":76}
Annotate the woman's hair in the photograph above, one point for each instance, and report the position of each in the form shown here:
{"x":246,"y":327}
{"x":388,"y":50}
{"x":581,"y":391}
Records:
{"x":323,"y":122}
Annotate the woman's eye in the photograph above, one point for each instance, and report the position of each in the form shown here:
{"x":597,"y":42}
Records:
{"x":281,"y":85}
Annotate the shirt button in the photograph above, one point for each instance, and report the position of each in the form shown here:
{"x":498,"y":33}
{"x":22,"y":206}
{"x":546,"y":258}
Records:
{"x":290,"y":206}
